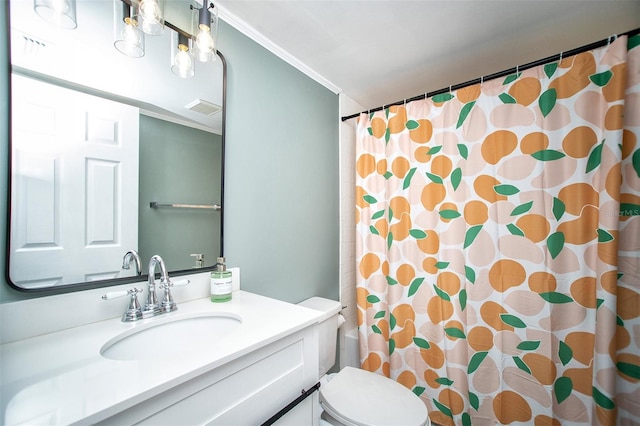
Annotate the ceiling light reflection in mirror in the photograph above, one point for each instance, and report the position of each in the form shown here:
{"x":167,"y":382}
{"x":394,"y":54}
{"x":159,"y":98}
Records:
{"x":57,"y":54}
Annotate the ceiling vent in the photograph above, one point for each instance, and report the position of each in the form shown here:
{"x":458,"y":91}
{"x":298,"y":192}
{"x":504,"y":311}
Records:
{"x":203,"y":107}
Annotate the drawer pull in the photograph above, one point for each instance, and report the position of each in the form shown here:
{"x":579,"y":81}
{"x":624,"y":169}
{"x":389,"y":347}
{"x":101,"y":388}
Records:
{"x":289,"y":407}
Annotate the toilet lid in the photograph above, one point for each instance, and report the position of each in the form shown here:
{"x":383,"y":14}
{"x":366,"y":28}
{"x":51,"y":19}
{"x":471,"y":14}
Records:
{"x":362,"y":398}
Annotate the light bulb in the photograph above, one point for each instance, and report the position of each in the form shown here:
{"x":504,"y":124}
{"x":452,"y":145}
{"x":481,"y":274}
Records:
{"x":150,"y":10}
{"x":204,"y":45}
{"x":183,"y":63}
{"x":131,"y":42}
{"x":150,"y":17}
{"x":130,"y":34}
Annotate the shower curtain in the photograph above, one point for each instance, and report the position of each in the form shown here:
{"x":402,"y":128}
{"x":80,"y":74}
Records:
{"x":498,"y":240}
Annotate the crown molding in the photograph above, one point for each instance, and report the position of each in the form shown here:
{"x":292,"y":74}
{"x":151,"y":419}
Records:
{"x":263,"y":41}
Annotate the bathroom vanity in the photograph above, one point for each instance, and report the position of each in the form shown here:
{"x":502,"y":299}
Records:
{"x":259,"y":355}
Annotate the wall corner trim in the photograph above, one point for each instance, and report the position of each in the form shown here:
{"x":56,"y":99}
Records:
{"x":263,"y":41}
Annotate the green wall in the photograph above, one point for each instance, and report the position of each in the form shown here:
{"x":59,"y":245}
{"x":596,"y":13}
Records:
{"x":281,"y":201}
{"x":195,"y":156}
{"x":281,"y":180}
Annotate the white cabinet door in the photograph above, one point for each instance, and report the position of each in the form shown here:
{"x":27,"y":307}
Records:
{"x":244,"y":392}
{"x":74,"y":191}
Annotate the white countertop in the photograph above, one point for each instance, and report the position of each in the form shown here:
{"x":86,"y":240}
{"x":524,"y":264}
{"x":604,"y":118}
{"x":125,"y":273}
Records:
{"x":61,"y":377}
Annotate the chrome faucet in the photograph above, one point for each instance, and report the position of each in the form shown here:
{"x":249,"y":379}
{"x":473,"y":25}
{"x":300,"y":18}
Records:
{"x":152,"y":307}
{"x":126,"y":260}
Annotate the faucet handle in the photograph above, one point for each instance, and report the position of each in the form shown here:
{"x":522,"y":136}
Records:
{"x":114,"y":294}
{"x":134,"y":311}
{"x":167,"y":284}
{"x":178,"y":283}
{"x":168,"y":304}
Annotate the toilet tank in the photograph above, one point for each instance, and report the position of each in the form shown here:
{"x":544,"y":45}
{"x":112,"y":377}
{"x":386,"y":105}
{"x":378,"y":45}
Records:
{"x":327,"y":329}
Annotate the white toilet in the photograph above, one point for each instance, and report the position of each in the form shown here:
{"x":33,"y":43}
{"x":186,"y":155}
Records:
{"x":355,"y":397}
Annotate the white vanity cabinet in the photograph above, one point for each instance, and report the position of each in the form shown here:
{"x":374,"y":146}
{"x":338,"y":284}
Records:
{"x":247,"y":391}
{"x":243,"y":377}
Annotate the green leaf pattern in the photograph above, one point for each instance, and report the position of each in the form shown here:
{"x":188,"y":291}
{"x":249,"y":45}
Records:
{"x":548,"y":155}
{"x":555,"y":243}
{"x":471,"y":235}
{"x":511,"y":78}
{"x":547,"y":101}
{"x":407,"y":178}
{"x":515,"y":230}
{"x":558,"y":208}
{"x":512,"y":320}
{"x":550,"y":69}
{"x":522,"y":208}
{"x":421,"y":343}
{"x":595,"y":158}
{"x":506,"y":189}
{"x":464,"y":151}
{"x":456,"y":178}
{"x":415,"y":285}
{"x":464,"y":113}
{"x":601,"y":79}
{"x":435,"y":178}
{"x":562,"y":388}
{"x":521,"y":364}
{"x":507,"y":98}
{"x":475,"y":361}
{"x":441,"y":293}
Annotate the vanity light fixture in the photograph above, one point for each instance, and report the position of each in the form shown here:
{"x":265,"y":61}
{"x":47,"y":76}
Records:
{"x":205,"y":32}
{"x":58,"y":12}
{"x":150,"y":16}
{"x":182,"y":62}
{"x":129,"y":39}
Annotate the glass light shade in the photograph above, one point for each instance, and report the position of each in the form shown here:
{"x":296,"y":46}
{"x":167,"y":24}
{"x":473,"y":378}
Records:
{"x":182,"y":61}
{"x":150,"y":16}
{"x":129,"y":40}
{"x":58,"y":12}
{"x":205,"y":33}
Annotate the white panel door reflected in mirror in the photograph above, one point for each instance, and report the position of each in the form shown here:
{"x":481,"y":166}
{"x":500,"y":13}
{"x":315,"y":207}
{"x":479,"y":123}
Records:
{"x":74,"y":185}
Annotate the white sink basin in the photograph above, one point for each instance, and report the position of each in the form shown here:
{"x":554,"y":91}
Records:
{"x":161,"y":338}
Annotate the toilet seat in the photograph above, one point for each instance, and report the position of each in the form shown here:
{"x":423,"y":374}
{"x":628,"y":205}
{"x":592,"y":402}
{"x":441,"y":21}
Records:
{"x":357,"y":397}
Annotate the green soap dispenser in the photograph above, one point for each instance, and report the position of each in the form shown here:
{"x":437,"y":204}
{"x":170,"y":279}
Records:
{"x":221,"y":283}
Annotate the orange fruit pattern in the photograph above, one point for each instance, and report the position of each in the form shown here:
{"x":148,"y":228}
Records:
{"x":498,"y":244}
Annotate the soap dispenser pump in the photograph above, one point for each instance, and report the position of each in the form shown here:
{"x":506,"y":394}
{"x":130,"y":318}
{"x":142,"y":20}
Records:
{"x":199,"y":260}
{"x":221,"y":282}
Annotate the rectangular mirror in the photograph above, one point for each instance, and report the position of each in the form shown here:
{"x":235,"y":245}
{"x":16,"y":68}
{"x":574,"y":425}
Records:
{"x":109,"y":153}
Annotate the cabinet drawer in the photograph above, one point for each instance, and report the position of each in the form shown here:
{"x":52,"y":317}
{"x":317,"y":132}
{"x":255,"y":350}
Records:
{"x":249,"y":396}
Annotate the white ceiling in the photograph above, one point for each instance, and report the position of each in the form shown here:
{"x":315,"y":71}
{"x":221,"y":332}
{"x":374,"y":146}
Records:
{"x":380,"y":51}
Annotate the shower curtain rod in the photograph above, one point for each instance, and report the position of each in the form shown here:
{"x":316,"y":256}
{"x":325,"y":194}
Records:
{"x":504,"y":73}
